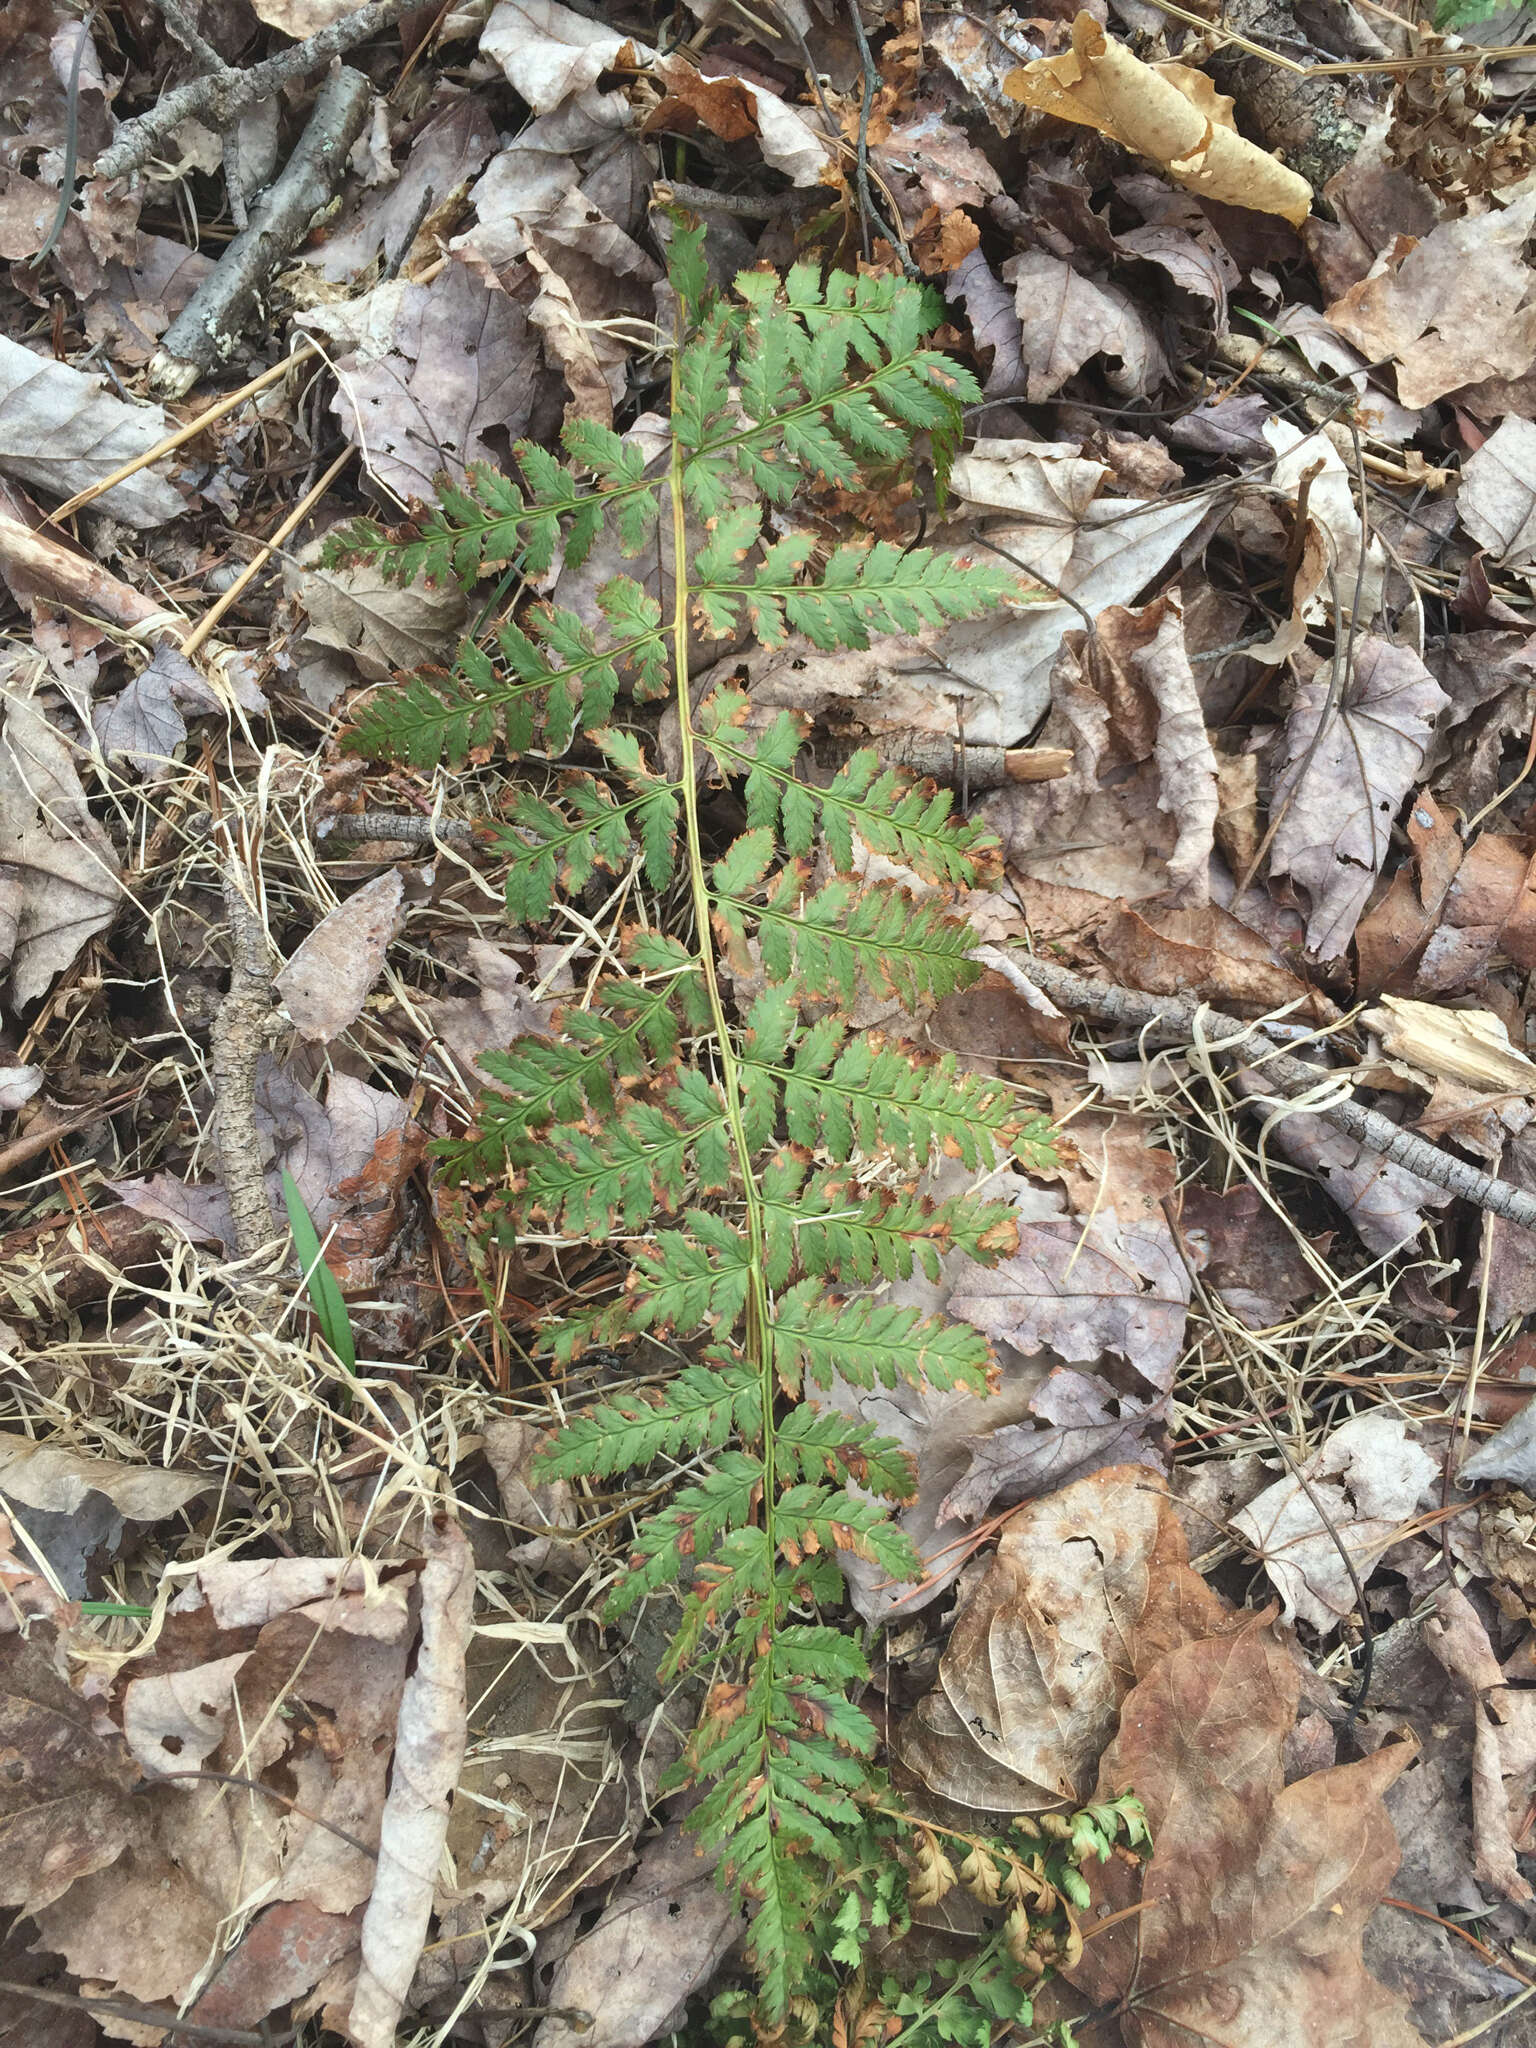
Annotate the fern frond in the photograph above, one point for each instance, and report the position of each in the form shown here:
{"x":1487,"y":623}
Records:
{"x":829,"y":1227}
{"x":698,"y":1410}
{"x":586,"y":1181}
{"x":813,"y":1336}
{"x":761,"y":1158}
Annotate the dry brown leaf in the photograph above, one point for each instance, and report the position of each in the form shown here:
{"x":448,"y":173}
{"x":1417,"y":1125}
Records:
{"x":541,"y":1516}
{"x":426,"y":371}
{"x":1384,"y":1202}
{"x":1451,"y":310}
{"x":445,"y":152}
{"x":1066,"y":319}
{"x":302,"y":18}
{"x":1206,"y":953}
{"x":73,"y":1506}
{"x":989,"y":307}
{"x":1048,"y":485}
{"x":593,"y":363}
{"x":58,"y":868}
{"x":283,"y":1954}
{"x":1087,"y":1588}
{"x":344,"y":1155}
{"x":1084,"y":1289}
{"x":383,"y":627}
{"x":1368,"y":1479}
{"x":1497,"y":498}
{"x":1080,"y":1423}
{"x":1489,"y":907}
{"x":723,"y":106}
{"x":1330,"y":570}
{"x":145,"y":722}
{"x":287,"y":1666}
{"x":61,"y":431}
{"x":56,"y":1480}
{"x":66,"y":1809}
{"x":429,"y":1750}
{"x":501,"y":1009}
{"x":551,"y":54}
{"x":660,"y":1939}
{"x":1503,"y":1741}
{"x":1247,"y":1254}
{"x":1169,"y":114}
{"x":1253,"y":1905}
{"x":1336,"y":794}
{"x":1393,"y":932}
{"x":324,"y":985}
{"x":1143,"y":652}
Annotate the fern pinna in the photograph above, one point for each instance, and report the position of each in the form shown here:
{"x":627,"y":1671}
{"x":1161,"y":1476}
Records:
{"x":783,"y":1157}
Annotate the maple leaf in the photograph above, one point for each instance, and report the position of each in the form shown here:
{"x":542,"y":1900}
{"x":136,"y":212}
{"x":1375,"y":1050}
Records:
{"x":1253,"y":1906}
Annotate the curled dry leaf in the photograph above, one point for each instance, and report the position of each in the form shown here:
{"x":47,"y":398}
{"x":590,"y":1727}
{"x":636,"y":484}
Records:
{"x":50,"y":1477}
{"x":1168,"y":113}
{"x":1087,"y":1589}
{"x":429,"y":1750}
{"x":1369,"y":1479}
{"x":551,"y":54}
{"x":324,"y":986}
{"x":1251,"y":1911}
{"x":1338,"y":566}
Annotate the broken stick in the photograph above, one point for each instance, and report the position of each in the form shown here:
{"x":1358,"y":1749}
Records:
{"x":204,"y":333}
{"x":1286,"y":1075}
{"x":218,"y":97}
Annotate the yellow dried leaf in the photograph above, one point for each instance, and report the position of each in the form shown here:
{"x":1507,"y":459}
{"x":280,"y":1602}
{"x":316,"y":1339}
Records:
{"x":980,"y":1876}
{"x":1168,"y":113}
{"x":935,"y":1875}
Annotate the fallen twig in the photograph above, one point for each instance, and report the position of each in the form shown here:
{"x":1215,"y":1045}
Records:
{"x":206,"y":329}
{"x":239,"y":1031}
{"x":218,"y":97}
{"x":405,"y":827}
{"x":1285,"y":1075}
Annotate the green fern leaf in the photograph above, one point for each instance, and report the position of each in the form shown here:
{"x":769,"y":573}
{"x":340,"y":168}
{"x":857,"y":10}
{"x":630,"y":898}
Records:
{"x":757,"y":1158}
{"x":699,"y":1409}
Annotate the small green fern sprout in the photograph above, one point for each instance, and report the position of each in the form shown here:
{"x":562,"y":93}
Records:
{"x":711,"y":1098}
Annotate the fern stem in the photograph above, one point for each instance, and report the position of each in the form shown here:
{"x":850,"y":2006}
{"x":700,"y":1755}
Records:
{"x":755,"y":1337}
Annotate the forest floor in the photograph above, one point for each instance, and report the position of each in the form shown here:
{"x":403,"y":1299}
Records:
{"x":1258,"y":400}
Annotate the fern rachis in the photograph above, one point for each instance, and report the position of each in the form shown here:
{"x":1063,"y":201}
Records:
{"x":773,"y":1161}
